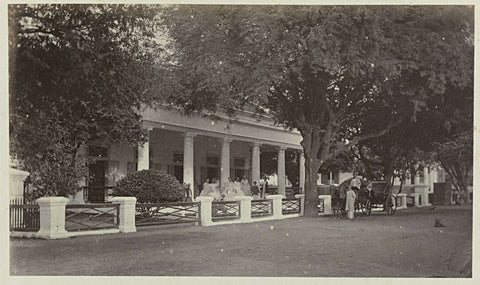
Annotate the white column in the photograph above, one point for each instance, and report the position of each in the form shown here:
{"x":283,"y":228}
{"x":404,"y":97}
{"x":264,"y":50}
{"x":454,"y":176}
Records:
{"x":144,"y":154}
{"x":281,"y":171}
{"x":302,"y":172}
{"x":408,"y":179}
{"x":188,"y":169}
{"x":52,"y":217}
{"x":330,"y":179}
{"x":417,"y":179}
{"x":256,"y":163}
{"x":126,"y":213}
{"x":425,"y":176}
{"x":225,"y":162}
{"x":433,"y":177}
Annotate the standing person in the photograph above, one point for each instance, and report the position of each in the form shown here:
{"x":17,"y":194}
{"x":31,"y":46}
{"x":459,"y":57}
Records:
{"x":255,"y":190}
{"x":237,"y":185}
{"x":245,"y":186}
{"x":350,"y":203}
{"x":228,"y":190}
{"x":355,"y":183}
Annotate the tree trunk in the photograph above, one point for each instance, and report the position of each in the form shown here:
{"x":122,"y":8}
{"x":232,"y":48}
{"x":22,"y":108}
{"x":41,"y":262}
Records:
{"x":311,"y":190}
{"x":388,"y":175}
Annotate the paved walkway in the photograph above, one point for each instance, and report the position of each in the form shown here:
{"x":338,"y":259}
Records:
{"x":406,"y":245}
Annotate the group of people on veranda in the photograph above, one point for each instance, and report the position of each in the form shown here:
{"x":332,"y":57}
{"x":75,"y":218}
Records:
{"x":230,"y":189}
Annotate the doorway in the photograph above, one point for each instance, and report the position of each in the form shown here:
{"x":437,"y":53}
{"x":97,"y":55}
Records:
{"x":96,"y":184}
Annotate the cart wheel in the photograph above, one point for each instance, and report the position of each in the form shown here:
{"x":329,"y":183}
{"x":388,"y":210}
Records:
{"x":391,"y":205}
{"x":367,"y":207}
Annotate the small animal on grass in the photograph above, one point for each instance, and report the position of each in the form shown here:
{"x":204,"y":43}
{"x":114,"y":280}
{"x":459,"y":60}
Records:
{"x":438,"y":224}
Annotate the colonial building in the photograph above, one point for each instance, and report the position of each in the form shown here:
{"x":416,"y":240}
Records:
{"x":194,"y":148}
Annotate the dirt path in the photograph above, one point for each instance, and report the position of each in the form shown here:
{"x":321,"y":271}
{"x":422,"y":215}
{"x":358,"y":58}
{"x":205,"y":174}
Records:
{"x":405,"y":245}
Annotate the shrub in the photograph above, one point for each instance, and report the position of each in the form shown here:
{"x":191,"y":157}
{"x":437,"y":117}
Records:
{"x":150,"y":186}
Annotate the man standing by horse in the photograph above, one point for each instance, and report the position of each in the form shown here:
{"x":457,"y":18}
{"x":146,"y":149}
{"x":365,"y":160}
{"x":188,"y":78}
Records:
{"x":355,"y":184}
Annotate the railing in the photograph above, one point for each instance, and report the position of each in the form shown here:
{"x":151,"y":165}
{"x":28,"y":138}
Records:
{"x":261,"y":208}
{"x":148,"y":214}
{"x":321,"y":205}
{"x":225,"y":210}
{"x":91,"y":217}
{"x":290,"y":206}
{"x":24,"y":216}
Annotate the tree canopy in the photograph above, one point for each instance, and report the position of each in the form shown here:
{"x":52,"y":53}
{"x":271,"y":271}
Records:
{"x":318,"y":68}
{"x":78,"y":73}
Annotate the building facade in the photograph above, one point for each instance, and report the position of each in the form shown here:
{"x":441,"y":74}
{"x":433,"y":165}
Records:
{"x":196,"y":147}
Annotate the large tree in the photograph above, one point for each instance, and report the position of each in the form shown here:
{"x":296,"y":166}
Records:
{"x":314,"y":67}
{"x":78,"y":73}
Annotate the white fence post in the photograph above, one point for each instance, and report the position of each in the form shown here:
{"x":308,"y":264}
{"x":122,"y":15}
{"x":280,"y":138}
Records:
{"x":205,"y":210}
{"x":245,"y":207}
{"x":327,"y":204}
{"x":416,"y":199}
{"x":126,"y":213}
{"x":277,"y":205}
{"x":423,"y":191}
{"x":17,"y":177}
{"x":403,"y":198}
{"x":302,"y":203}
{"x":52,"y":217}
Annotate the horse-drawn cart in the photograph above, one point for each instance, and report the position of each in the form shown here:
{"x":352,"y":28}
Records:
{"x":373,"y":195}
{"x":376,"y":196}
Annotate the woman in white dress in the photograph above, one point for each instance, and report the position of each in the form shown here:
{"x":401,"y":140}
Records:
{"x":245,"y":186}
{"x":207,"y":189}
{"x":237,"y":187}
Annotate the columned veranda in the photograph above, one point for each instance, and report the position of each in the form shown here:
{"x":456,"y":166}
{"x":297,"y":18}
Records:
{"x":192,"y":145}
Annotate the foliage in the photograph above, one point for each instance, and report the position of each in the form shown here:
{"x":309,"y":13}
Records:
{"x":78,"y":73}
{"x":317,"y":68}
{"x":150,"y":186}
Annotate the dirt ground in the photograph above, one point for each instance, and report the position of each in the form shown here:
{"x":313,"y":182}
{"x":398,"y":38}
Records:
{"x":403,"y":245}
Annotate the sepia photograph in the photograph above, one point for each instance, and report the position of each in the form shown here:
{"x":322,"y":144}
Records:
{"x":303,"y":140}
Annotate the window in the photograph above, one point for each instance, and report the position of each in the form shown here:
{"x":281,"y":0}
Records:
{"x":178,"y":158}
{"x":97,"y":151}
{"x":212,"y":160}
{"x":239,"y":162}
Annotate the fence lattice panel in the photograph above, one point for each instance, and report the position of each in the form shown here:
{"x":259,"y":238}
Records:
{"x":261,"y":208}
{"x":225,"y":210}
{"x":166,"y":213}
{"x":24,"y":216}
{"x":290,"y":206}
{"x":91,"y":217}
